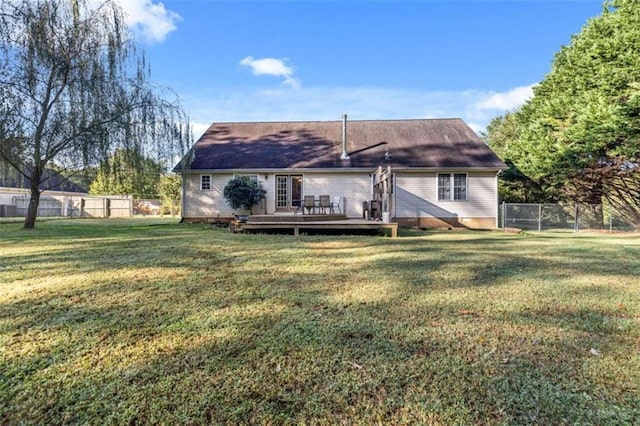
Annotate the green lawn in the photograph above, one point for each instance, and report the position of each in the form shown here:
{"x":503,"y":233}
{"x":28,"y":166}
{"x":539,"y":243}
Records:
{"x":149,"y":321}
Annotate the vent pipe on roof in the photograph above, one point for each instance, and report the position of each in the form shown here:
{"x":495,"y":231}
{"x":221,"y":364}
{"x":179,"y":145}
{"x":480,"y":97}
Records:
{"x":345,"y":154}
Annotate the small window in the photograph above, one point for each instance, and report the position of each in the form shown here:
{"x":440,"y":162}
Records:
{"x":205,"y":182}
{"x":452,"y":187}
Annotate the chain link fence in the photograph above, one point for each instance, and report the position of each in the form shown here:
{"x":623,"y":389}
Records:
{"x":576,"y":217}
{"x":155,"y":207}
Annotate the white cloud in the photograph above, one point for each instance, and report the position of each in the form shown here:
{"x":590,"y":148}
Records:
{"x":274,"y":67}
{"x":150,"y":20}
{"x":505,"y":101}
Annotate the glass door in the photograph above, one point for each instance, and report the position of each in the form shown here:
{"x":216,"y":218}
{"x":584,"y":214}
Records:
{"x":296,"y":191}
{"x":282,"y":192}
{"x":288,"y":192}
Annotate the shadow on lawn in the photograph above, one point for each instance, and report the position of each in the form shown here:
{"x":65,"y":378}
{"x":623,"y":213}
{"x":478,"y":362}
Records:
{"x":237,"y":334}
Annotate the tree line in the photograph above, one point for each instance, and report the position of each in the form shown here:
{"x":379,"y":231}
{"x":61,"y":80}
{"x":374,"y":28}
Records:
{"x":578,"y":138}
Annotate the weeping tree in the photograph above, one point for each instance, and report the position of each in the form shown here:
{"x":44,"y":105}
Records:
{"x":74,"y":87}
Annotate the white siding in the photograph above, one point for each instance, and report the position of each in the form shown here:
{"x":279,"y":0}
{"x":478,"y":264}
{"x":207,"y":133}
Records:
{"x":207,"y":203}
{"x":211,"y":203}
{"x":269,"y":184}
{"x":353,"y":187}
{"x":417,"y":196}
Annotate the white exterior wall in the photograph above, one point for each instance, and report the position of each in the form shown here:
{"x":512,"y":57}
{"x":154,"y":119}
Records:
{"x":211,"y":203}
{"x":269,"y":184}
{"x":207,"y":203}
{"x":52,"y":203}
{"x":353,"y":187}
{"x":417,"y":196}
{"x":7,"y":195}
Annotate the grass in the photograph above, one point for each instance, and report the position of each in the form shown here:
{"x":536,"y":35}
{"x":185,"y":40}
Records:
{"x":149,"y":321}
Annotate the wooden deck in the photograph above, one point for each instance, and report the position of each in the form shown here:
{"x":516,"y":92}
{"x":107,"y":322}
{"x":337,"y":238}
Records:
{"x":301,"y":223}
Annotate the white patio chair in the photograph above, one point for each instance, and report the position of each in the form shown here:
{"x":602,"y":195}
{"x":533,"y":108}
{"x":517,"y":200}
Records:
{"x":335,"y":203}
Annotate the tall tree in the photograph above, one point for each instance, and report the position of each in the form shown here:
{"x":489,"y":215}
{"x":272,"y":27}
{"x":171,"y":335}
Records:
{"x":579,"y":133}
{"x":513,"y":185}
{"x":170,"y":189}
{"x":126,"y":172}
{"x":73,"y":87}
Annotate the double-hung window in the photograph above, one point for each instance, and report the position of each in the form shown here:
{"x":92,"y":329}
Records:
{"x":205,"y":182}
{"x":444,"y":187}
{"x":452,"y":186}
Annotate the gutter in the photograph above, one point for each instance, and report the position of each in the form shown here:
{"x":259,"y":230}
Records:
{"x":341,"y":170}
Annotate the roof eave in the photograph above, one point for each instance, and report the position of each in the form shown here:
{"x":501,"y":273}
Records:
{"x":342,"y":169}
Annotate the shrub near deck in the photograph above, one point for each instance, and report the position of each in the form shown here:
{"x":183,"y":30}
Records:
{"x":148,"y":321}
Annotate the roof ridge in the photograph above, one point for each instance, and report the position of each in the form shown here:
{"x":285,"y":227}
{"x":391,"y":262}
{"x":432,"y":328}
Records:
{"x":411,"y":119}
{"x":338,"y":120}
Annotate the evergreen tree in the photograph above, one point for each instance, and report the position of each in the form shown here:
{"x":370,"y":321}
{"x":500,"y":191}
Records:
{"x":579,"y":134}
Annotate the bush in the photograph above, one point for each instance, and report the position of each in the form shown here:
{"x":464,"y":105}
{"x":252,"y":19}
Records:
{"x":242,"y":192}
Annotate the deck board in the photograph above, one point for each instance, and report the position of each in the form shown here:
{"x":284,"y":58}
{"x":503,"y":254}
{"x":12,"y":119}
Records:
{"x":296,"y":226}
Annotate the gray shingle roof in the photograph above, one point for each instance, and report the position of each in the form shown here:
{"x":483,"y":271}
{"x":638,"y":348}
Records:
{"x":51,"y":181}
{"x":428,"y":143}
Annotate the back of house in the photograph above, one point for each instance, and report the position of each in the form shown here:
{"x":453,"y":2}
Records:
{"x":438,"y":172}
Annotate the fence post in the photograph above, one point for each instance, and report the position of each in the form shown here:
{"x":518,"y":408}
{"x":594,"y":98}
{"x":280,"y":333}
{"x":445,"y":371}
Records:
{"x":539,"y":217}
{"x":576,"y":227}
{"x":504,"y":212}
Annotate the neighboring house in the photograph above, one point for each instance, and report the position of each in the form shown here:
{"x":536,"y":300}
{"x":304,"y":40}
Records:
{"x":60,"y":197}
{"x":443,"y":174}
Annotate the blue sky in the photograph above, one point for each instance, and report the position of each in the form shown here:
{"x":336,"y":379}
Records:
{"x":309,"y":60}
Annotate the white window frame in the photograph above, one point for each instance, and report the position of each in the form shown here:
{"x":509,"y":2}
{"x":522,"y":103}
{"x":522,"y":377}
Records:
{"x":209,"y":183}
{"x":452,"y":187}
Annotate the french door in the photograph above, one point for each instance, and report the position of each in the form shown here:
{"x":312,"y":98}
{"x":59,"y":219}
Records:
{"x":288,"y":192}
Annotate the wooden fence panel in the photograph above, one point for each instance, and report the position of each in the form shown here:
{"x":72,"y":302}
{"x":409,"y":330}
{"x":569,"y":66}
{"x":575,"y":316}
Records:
{"x":94,"y":207}
{"x":120,"y":207}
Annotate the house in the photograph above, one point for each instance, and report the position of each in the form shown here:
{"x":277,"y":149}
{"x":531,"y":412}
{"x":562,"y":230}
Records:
{"x":59,"y":195}
{"x":442,"y":174}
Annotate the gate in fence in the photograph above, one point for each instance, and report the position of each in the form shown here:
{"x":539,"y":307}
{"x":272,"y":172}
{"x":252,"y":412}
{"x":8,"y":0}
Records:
{"x":576,"y":217}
